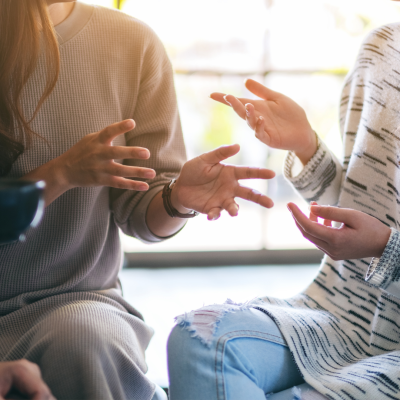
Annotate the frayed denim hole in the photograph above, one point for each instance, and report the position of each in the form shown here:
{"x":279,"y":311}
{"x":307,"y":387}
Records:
{"x":203,"y":323}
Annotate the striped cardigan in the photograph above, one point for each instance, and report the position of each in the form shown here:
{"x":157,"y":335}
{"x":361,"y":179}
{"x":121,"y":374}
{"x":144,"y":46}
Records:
{"x":344,"y":329}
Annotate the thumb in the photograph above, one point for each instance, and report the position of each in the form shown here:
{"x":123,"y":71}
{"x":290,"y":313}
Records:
{"x":220,"y":154}
{"x":344,"y":215}
{"x":261,"y":90}
{"x":219,"y":97}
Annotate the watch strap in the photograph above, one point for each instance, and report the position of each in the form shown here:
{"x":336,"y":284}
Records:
{"x":171,"y":211}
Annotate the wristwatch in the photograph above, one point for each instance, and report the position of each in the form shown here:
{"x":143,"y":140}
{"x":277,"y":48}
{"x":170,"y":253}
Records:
{"x":171,"y":211}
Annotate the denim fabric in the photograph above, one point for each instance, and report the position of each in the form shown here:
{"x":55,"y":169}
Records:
{"x":247,"y":359}
{"x":159,"y":394}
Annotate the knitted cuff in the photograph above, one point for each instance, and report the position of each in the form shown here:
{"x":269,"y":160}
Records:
{"x":315,"y":178}
{"x":137,"y":219}
{"x":386,"y":269}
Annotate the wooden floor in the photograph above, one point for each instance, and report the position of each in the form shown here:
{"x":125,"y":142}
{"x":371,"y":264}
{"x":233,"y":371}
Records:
{"x":161,"y":294}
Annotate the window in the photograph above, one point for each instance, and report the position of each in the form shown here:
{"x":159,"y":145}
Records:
{"x":303,"y":49}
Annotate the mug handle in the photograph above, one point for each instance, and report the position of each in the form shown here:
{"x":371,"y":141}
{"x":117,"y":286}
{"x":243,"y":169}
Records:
{"x":40,"y":209}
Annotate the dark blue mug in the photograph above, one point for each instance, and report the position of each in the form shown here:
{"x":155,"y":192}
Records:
{"x":21,"y":207}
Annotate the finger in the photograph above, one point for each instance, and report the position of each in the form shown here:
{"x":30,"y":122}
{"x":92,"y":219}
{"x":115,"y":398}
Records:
{"x":126,"y":184}
{"x":260,"y":131}
{"x":237,"y":105}
{"x":313,"y":217}
{"x":253,"y":173}
{"x":318,"y":242}
{"x":127,"y":171}
{"x":313,"y":228}
{"x":231,"y":207}
{"x":28,"y":381}
{"x":220,"y":154}
{"x":251,"y":117}
{"x":344,"y":215}
{"x":114,"y":130}
{"x":261,"y":91}
{"x":327,"y":222}
{"x":125,"y":152}
{"x":217,"y":96}
{"x":254,"y":196}
{"x":214,"y":214}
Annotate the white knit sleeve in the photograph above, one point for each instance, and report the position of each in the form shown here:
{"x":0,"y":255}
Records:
{"x":384,"y":272}
{"x":320,"y":180}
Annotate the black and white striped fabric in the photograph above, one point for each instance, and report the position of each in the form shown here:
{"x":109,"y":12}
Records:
{"x":344,"y":330}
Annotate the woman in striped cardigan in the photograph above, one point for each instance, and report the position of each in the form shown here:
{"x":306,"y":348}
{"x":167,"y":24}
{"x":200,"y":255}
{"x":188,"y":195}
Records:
{"x":340,"y":338}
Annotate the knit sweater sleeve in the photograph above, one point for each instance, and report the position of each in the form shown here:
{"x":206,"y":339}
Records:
{"x":384,"y":272}
{"x":320,"y":179}
{"x":158,"y":129}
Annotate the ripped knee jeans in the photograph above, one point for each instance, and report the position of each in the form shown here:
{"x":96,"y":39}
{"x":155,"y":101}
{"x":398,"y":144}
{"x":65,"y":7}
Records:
{"x":231,"y":352}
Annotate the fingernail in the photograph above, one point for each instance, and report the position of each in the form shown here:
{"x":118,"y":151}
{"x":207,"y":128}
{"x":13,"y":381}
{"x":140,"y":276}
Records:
{"x":259,"y":120}
{"x":143,"y":153}
{"x":227,"y":100}
{"x":143,"y":188}
{"x":129,"y":124}
{"x":288,"y":207}
{"x":149,"y":174}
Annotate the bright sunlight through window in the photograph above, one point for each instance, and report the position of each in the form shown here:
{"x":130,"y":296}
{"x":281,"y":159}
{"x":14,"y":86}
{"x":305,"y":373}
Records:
{"x":301,"y":48}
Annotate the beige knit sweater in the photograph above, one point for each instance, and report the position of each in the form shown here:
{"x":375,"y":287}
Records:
{"x":113,"y":67}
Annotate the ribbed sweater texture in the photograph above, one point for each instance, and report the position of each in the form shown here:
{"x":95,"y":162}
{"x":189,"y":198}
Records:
{"x":113,"y":67}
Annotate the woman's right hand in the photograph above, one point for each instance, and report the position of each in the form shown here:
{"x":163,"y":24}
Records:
{"x":277,"y":120}
{"x":90,"y":162}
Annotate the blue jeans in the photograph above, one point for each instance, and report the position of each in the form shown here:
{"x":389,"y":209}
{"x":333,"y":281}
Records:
{"x":159,"y":394}
{"x":248,"y":359}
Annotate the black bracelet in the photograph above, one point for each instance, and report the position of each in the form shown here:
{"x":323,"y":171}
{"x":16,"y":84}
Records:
{"x":171,"y":211}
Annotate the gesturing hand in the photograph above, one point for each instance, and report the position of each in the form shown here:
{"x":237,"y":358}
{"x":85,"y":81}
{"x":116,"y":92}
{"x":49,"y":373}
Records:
{"x":90,"y":162}
{"x":25,"y":378}
{"x":359,"y":236}
{"x":207,"y":186}
{"x":277,"y":120}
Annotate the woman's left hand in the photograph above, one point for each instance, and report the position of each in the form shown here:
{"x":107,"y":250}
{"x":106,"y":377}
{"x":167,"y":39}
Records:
{"x":359,"y":236}
{"x":207,"y":186}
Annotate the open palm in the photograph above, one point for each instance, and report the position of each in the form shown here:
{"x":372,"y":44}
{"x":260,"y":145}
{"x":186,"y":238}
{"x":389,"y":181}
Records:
{"x":285,"y":124}
{"x":208,"y":186}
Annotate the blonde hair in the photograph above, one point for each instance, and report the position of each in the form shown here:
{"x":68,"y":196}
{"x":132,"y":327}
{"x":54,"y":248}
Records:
{"x":25,"y":31}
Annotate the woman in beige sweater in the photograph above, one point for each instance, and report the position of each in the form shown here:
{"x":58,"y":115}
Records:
{"x":96,"y":89}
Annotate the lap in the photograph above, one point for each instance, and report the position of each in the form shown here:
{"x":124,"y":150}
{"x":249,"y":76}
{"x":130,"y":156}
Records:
{"x":246,"y":353}
{"x":87,"y":350}
{"x":87,"y":326}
